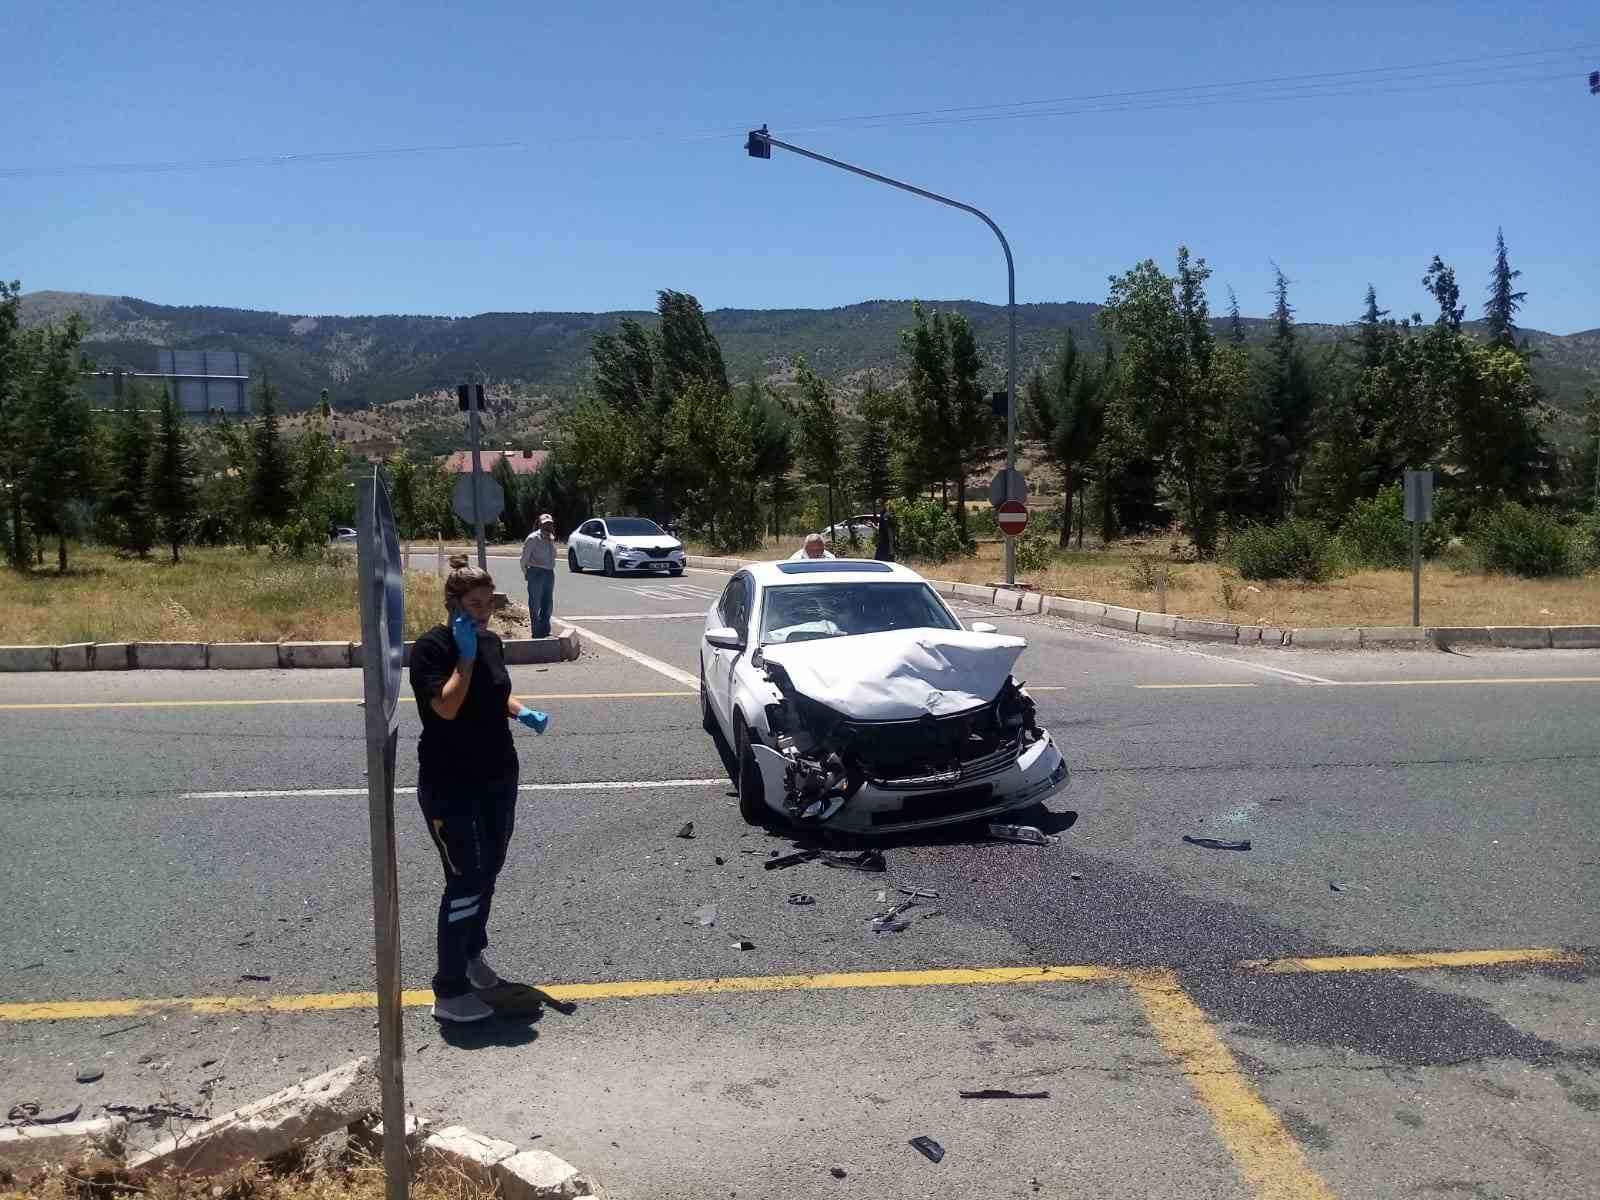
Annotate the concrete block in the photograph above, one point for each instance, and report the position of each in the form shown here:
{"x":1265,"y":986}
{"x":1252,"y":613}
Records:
{"x":367,"y":1135}
{"x":470,"y":1153}
{"x":27,"y":658}
{"x":48,"y":1145}
{"x":302,"y":1113}
{"x":1076,"y":610}
{"x":1207,"y":631}
{"x":313,"y":654}
{"x":944,"y":587}
{"x":1575,"y":637}
{"x":169,"y":656}
{"x":973,"y":591}
{"x":1250,"y":635}
{"x":1520,"y":637}
{"x":1271,"y":635}
{"x":1120,"y":618}
{"x":112,"y":656}
{"x":571,"y":644}
{"x":522,"y":651}
{"x":1326,"y":638}
{"x":1163,"y":624}
{"x":1007,"y":599}
{"x":540,"y":1175}
{"x":244,"y":656}
{"x":1032,"y":602}
{"x":79,"y":656}
{"x":1463,"y":635}
{"x":1393,"y":635}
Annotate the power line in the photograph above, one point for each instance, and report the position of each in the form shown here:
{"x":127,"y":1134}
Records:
{"x":1438,"y":75}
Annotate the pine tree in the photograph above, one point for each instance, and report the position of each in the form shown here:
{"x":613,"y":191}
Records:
{"x":172,"y":490}
{"x":1235,"y":321}
{"x":1371,"y":323}
{"x":1500,"y":311}
{"x":820,"y":433}
{"x":1441,"y":284}
{"x":58,"y":438}
{"x":131,"y":491}
{"x":874,"y":460}
{"x":1288,"y":410}
{"x":271,"y":485}
{"x":16,"y":367}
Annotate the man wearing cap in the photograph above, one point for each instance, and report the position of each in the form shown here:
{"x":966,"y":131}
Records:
{"x":539,"y":569}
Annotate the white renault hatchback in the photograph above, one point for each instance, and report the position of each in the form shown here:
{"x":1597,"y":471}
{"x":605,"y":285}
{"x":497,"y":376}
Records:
{"x":623,"y":544}
{"x":854,"y":699}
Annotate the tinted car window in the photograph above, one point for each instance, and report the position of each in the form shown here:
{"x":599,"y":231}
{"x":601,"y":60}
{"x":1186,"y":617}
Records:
{"x":727,"y":605}
{"x":590,"y":529}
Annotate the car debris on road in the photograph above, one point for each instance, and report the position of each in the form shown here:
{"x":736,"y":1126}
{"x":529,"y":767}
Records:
{"x":1002,"y":1094}
{"x":928,"y":1148}
{"x":1217,"y":843}
{"x":1031,"y":834}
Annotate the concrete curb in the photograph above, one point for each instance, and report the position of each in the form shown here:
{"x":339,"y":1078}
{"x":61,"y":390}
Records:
{"x":514,"y":1174}
{"x":1133,"y":620}
{"x":34,"y":1146}
{"x":246,"y":656}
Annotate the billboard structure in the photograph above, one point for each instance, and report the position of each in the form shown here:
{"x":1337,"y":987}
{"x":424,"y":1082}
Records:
{"x":203,"y":381}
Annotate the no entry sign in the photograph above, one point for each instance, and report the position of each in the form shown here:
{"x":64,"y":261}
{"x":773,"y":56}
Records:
{"x":1012,"y":517}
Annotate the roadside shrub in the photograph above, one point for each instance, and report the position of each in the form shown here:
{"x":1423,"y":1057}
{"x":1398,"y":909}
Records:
{"x":301,"y":540}
{"x":1035,"y":550}
{"x":1527,"y":542}
{"x":925,"y":530}
{"x":1297,"y":549}
{"x":981,"y":523}
{"x":1376,"y":533}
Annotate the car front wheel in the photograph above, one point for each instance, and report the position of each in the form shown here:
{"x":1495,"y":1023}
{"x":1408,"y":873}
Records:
{"x":707,"y":717}
{"x":572,"y":561}
{"x":747,"y":777}
{"x":611,"y":565}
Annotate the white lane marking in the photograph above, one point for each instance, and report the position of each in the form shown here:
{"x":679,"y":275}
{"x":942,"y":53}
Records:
{"x":321,"y":793}
{"x":667,"y":591}
{"x":644,"y":660}
{"x":1283,"y":673}
{"x":633,"y":616}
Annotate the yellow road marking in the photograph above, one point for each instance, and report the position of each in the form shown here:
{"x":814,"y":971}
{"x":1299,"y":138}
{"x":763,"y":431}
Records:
{"x":1271,"y":1161}
{"x":321,"y":700}
{"x":68,"y":1010}
{"x":1179,"y":687}
{"x":1410,"y":962}
{"x":78,"y":1010}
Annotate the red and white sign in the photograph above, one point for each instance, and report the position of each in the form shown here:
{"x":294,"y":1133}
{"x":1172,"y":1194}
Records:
{"x":1012,"y":517}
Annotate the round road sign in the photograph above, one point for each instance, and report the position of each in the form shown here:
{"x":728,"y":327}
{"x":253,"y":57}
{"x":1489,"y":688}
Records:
{"x":1012,"y":517}
{"x":491,"y":498}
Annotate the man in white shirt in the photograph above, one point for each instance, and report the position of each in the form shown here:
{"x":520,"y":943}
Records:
{"x":814,"y":547}
{"x":539,"y":569}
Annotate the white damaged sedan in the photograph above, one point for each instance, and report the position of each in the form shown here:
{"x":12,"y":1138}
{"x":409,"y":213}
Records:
{"x":854,"y":700}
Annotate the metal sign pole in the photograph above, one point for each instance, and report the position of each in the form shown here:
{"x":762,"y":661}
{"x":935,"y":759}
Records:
{"x":474,"y":392}
{"x":1418,"y":500}
{"x":379,"y":669}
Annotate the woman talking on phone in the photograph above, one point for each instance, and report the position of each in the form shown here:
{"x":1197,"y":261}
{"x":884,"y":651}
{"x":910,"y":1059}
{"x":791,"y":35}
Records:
{"x":467,"y":779}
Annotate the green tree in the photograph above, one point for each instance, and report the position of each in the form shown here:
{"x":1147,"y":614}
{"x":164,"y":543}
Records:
{"x":402,"y":472}
{"x":322,"y":497}
{"x":172,"y":491}
{"x":954,"y":433}
{"x":711,"y":451}
{"x":1235,"y":322}
{"x":1288,"y":410}
{"x":772,"y":451}
{"x":1371,"y":330}
{"x":604,"y":451}
{"x":1066,"y":415}
{"x":874,"y":445}
{"x":131,"y":498}
{"x":271,"y":478}
{"x":16,"y":371}
{"x":512,"y":520}
{"x":58,"y":439}
{"x":1500,"y":311}
{"x":819,"y":433}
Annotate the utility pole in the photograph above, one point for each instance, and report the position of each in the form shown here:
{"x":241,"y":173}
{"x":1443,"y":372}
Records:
{"x":471,"y":398}
{"x":759,"y":144}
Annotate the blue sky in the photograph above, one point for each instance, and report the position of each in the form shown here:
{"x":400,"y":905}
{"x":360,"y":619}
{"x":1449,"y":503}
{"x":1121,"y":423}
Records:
{"x":628,"y":174}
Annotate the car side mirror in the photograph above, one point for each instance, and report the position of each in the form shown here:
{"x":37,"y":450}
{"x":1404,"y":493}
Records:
{"x":724,"y":639}
{"x":984,"y":627}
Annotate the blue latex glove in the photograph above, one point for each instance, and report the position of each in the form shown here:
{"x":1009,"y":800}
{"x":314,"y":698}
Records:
{"x":465,"y":630}
{"x":534,"y":719}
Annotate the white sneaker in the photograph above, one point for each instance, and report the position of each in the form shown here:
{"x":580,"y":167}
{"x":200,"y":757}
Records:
{"x":481,"y":975}
{"x":461,"y":1009}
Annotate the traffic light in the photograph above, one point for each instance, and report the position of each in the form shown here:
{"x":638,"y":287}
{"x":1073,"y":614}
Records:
{"x":464,"y":401}
{"x":757,"y":145}
{"x":1594,"y":83}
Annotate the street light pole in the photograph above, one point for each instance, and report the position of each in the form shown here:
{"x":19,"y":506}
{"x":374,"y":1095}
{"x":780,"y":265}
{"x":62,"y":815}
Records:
{"x":759,"y":145}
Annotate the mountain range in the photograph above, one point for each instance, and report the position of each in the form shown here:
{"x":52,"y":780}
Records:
{"x":379,"y":360}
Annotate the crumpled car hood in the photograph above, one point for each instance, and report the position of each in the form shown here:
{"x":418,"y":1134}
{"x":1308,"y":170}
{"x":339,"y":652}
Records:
{"x":902,"y":674}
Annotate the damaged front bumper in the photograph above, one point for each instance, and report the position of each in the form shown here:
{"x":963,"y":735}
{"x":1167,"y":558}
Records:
{"x":977,"y":791}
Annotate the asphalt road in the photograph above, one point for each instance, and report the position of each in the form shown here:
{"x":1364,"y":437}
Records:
{"x":200,"y":835}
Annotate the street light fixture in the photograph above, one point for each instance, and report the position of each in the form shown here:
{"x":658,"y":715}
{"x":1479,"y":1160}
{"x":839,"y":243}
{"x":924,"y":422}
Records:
{"x":759,"y":144}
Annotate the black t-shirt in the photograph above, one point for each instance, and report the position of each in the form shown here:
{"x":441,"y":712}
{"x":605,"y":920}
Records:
{"x":477,"y":746}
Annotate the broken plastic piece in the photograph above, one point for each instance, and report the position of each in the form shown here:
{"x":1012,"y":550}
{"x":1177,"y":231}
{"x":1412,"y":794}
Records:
{"x":1002,"y":1094}
{"x":743,"y":945}
{"x":1031,"y":834}
{"x":687,"y":831}
{"x":870,"y":859}
{"x":917,"y":893}
{"x":1217,"y":843}
{"x":91,"y":1075}
{"x":930,"y":1149}
{"x":888,"y":924}
{"x":790,"y":860}
{"x":801,"y":898}
{"x":705,"y":916}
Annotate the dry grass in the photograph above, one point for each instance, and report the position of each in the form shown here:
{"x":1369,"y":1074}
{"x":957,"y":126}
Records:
{"x":356,"y":1178}
{"x":214,"y":595}
{"x":1450,"y":596}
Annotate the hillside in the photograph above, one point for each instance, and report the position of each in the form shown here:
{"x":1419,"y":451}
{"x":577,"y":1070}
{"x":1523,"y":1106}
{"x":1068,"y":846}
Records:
{"x":539,"y":358}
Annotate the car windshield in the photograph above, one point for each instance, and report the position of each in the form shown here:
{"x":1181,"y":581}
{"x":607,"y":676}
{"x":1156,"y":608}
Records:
{"x":632,"y":527}
{"x":804,"y":612}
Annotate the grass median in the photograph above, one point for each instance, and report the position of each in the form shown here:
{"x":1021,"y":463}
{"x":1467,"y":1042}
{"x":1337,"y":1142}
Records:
{"x":1125,"y":574}
{"x":213,"y":595}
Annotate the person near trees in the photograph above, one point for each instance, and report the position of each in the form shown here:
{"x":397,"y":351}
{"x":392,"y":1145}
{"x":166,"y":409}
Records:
{"x":467,"y":780}
{"x":539,"y":569}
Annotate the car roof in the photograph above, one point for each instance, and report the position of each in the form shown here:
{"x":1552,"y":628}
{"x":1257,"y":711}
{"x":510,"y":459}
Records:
{"x":839,"y":570}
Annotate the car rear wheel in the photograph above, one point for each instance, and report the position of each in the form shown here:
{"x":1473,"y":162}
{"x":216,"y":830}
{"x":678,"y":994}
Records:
{"x":611,"y":565}
{"x":572,"y":561}
{"x":747,"y":778}
{"x":707,"y":718}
